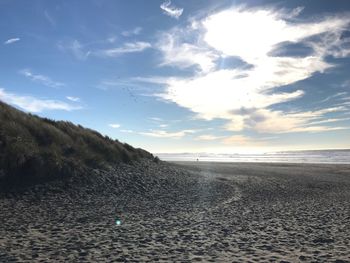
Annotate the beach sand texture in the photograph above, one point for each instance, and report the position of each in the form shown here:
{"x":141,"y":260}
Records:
{"x":186,"y":212}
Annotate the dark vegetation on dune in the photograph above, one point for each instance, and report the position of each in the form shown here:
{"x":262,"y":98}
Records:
{"x":35,"y":150}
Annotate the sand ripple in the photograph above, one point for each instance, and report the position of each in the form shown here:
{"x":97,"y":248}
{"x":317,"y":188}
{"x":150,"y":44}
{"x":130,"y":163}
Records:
{"x":198,"y":212}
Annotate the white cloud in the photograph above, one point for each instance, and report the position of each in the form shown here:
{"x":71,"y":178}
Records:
{"x":155,"y":119}
{"x":131,"y":47}
{"x":165,"y":134}
{"x":111,"y":39}
{"x":265,"y":120}
{"x":239,"y":140}
{"x":11,"y":40}
{"x":262,"y":31}
{"x":75,"y":48}
{"x":171,"y":10}
{"x":329,"y":120}
{"x":184,"y":54}
{"x":151,"y":79}
{"x":244,"y":95}
{"x":114,"y":125}
{"x":247,"y":142}
{"x":127,"y":131}
{"x":81,"y":52}
{"x":74,"y":99}
{"x":119,"y":83}
{"x":294,"y":12}
{"x":44,"y":80}
{"x":33,"y":104}
{"x":134,"y":32}
{"x":218,"y":93}
{"x":208,"y":137}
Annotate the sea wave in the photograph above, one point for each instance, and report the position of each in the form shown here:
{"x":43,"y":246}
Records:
{"x":314,"y":156}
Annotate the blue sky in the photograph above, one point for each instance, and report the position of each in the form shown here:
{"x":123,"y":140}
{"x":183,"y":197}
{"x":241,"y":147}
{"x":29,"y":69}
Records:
{"x":184,"y":76}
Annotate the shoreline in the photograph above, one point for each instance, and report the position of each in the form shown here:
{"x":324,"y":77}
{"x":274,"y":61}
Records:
{"x":310,"y":156}
{"x":257,"y":162}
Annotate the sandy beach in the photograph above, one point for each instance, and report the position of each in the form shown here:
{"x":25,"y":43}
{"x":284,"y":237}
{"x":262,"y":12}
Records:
{"x":175,"y":131}
{"x":185,"y":212}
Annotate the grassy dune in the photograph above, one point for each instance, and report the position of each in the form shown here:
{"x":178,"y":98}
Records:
{"x":34,"y":149}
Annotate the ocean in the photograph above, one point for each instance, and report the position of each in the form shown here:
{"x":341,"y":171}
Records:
{"x":314,"y":156}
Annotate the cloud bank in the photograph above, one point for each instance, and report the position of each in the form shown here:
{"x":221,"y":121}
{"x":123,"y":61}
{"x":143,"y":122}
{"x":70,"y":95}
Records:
{"x":244,"y":95}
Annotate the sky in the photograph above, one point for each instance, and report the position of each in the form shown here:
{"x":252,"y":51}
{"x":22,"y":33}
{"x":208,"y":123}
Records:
{"x":184,"y":75}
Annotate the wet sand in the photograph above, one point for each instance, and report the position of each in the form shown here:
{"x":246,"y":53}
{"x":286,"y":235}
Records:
{"x":186,"y":212}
